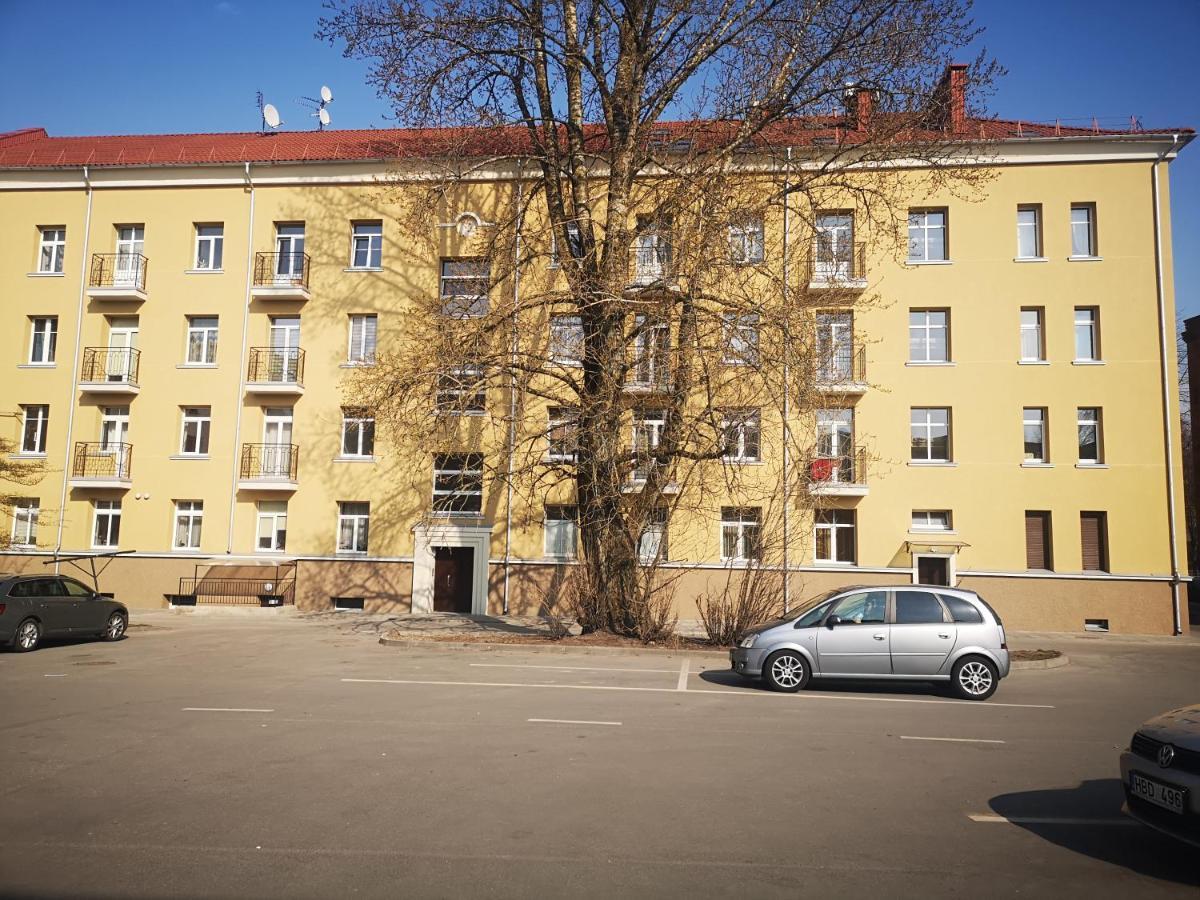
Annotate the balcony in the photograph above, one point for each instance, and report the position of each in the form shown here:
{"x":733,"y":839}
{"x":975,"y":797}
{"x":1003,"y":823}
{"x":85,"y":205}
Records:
{"x":837,"y":266}
{"x":280,"y":276}
{"x":276,"y":370}
{"x":842,"y":370}
{"x":268,"y":467}
{"x":101,"y":465}
{"x":117,"y":276}
{"x":838,"y":476}
{"x":110,"y":370}
{"x":651,"y":264}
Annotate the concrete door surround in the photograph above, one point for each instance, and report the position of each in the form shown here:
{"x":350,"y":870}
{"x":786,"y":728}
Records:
{"x":426,"y":537}
{"x":951,"y":568}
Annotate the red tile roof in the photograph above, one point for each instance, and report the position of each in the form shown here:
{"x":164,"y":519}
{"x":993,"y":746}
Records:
{"x":34,"y":148}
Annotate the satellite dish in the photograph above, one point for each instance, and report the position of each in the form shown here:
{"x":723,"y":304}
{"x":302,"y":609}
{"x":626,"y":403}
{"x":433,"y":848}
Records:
{"x":323,"y":116}
{"x":271,"y":116}
{"x":326,"y":94}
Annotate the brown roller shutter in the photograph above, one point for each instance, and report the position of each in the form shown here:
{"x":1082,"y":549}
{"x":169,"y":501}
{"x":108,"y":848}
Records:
{"x":1094,"y":541}
{"x":1037,"y":540}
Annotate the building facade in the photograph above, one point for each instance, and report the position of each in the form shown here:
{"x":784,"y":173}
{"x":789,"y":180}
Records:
{"x":179,"y":315}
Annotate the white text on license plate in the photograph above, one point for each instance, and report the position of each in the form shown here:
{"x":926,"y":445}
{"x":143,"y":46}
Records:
{"x":1157,"y":793}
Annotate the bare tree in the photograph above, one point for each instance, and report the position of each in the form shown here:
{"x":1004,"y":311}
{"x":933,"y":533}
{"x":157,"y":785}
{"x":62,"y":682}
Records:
{"x":14,"y":472}
{"x":639,"y":299}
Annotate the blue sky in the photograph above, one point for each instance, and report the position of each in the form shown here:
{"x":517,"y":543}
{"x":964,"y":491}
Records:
{"x":141,"y":66}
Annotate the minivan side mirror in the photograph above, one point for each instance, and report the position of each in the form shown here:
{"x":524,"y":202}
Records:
{"x":833,"y":620}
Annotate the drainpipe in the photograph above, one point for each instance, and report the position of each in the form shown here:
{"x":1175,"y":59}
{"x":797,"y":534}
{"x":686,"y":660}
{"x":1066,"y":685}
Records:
{"x":1160,"y":284}
{"x":83,"y":262}
{"x":237,"y":428}
{"x":787,"y":392}
{"x":512,"y":387}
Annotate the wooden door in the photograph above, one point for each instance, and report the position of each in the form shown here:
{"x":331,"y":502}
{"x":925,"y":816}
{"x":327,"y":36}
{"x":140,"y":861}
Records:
{"x":453,"y":571}
{"x":933,"y":570}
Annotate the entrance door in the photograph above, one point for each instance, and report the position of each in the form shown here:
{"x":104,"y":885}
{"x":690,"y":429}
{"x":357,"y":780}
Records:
{"x":289,"y":247}
{"x":277,"y":443}
{"x":283,"y":364}
{"x":122,"y":338}
{"x":453,"y":570}
{"x":835,"y":247}
{"x":933,"y":570}
{"x":130,"y":243}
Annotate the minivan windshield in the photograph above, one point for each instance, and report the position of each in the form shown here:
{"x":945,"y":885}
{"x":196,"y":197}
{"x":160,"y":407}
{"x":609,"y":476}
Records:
{"x":809,"y":605}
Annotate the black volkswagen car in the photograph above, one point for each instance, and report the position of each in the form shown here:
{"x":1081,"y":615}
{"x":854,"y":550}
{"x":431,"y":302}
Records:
{"x":33,"y":607}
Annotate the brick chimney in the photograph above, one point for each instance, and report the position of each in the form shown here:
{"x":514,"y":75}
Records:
{"x":948,"y":109}
{"x":860,"y":106}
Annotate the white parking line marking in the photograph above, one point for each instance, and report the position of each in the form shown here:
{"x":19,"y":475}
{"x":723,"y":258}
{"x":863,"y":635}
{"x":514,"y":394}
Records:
{"x":909,"y":737}
{"x":734,"y":693}
{"x":571,"y":722}
{"x":223,"y":709}
{"x":1046,"y":820}
{"x":562,"y":668}
{"x":63,"y":675}
{"x":681,"y":685}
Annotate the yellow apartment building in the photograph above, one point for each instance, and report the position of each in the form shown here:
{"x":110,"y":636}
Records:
{"x":179,"y":315}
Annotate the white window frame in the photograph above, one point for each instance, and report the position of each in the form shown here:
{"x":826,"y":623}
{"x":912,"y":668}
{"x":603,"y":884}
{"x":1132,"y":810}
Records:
{"x":367,"y":238}
{"x":461,"y":391}
{"x":648,"y":426}
{"x":652,"y":353}
{"x":832,"y":529}
{"x":737,"y":427}
{"x":1097,"y":422}
{"x":201,"y":418}
{"x":466,"y":306}
{"x":565,"y":518}
{"x":566,"y":340}
{"x":920,"y":228}
{"x":210,"y":236}
{"x":932,"y":521}
{"x":744,"y":525}
{"x":25,"y":513}
{"x":1088,"y":317}
{"x":41,"y":422}
{"x":654,"y":541}
{"x":358,"y":420}
{"x":473,"y":489}
{"x":361,"y":351}
{"x":354,"y":522}
{"x":926,"y":329}
{"x":562,"y":417}
{"x":268,"y":512}
{"x":746,"y":241}
{"x":45,"y":328}
{"x":572,"y":232}
{"x":52,"y":249}
{"x":927,"y":425}
{"x":189,"y":521}
{"x":1088,"y":228}
{"x":1035,"y":417}
{"x":741,"y":339}
{"x":1033,"y":223}
{"x":205,"y":337}
{"x":110,"y":511}
{"x":1035,"y":330}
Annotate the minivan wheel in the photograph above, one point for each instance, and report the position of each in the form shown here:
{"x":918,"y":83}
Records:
{"x":974,"y":678}
{"x":115,"y":629}
{"x":29,"y":634}
{"x":786,"y":671}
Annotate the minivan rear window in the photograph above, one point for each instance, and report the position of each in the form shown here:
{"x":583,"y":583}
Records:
{"x":961,"y":610}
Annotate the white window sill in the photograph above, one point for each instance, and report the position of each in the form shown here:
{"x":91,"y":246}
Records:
{"x":196,"y":366}
{"x":47,"y":274}
{"x":36,"y":365}
{"x":928,"y":262}
{"x":356,"y":365}
{"x":1085,"y":259}
{"x":203,"y":271}
{"x":185,"y":551}
{"x":24,"y":455}
{"x":1087,"y":362}
{"x":932,"y":531}
{"x":104,"y":546}
{"x":1030,"y":259}
{"x":355,"y":459}
{"x":363,"y":269}
{"x":559,"y":559}
{"x":832,"y":562}
{"x":1037,"y":465}
{"x":738,"y":461}
{"x":1091,"y":465}
{"x":932,"y":363}
{"x":261,"y":552}
{"x":932,"y":463}
{"x":190,"y":456}
{"x":1033,"y":362}
{"x":350,"y":554}
{"x":456,"y":414}
{"x":567,"y":363}
{"x":558,"y":460}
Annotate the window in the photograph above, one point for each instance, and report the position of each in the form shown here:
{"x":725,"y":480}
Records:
{"x":741,"y":339}
{"x":652,"y":258}
{"x":290,"y":259}
{"x":929,"y":335}
{"x":833,"y":534}
{"x":962,"y":610}
{"x":464,"y":287}
{"x":561,"y":532}
{"x":867,"y":608}
{"x":1034,"y":423}
{"x":1037,"y":540}
{"x":458,"y":483}
{"x":106,"y":523}
{"x":1087,"y":334}
{"x":362,"y":339}
{"x":210,"y":245}
{"x":562,"y":434}
{"x":931,"y":520}
{"x":575,"y":243}
{"x":917,"y":608}
{"x":35,"y":420}
{"x":652,"y":347}
{"x":741,"y":533}
{"x":358,"y":432}
{"x":354,"y":520}
{"x":1088,"y":422}
{"x":189,"y":515}
{"x":196,"y":423}
{"x":1093,"y":534}
{"x":1033,"y":340}
{"x":1083,"y":230}
{"x":1029,"y":232}
{"x":25,"y":513}
{"x":652,"y":542}
{"x":648,"y":428}
{"x":927,"y":235}
{"x":52,"y":250}
{"x":43,"y":340}
{"x":746,"y":241}
{"x":202,"y":340}
{"x":930,"y":434}
{"x":272,"y":525}
{"x":742,"y":435}
{"x":366,"y":245}
{"x":461,"y":391}
{"x":566,"y":340}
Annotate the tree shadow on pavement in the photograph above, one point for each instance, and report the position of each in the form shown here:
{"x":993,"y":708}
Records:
{"x":1134,"y":847}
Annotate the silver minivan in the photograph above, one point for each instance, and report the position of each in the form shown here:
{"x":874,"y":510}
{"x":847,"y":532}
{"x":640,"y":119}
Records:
{"x":913,"y":632}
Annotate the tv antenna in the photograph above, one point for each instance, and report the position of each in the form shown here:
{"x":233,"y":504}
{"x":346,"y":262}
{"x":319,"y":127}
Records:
{"x":320,"y":113}
{"x":269,"y":114}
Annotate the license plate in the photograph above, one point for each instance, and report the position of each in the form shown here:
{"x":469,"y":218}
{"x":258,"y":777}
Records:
{"x":1156,"y":792}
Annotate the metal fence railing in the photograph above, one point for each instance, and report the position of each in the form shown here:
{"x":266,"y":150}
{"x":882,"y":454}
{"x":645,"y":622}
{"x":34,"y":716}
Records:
{"x":845,"y":468}
{"x":831,"y":264}
{"x":269,"y":462}
{"x":842,"y":365}
{"x":281,"y":269}
{"x":276,"y":365}
{"x":102,"y":460}
{"x":238,"y":591}
{"x":111,"y":365}
{"x":118,"y":270}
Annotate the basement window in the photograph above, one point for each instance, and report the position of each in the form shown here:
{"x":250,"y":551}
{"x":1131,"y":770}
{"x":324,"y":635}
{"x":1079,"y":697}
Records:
{"x":346,"y":602}
{"x":1095,"y":624}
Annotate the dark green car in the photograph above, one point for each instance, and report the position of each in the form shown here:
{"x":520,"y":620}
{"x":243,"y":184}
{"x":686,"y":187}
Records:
{"x":33,"y":607}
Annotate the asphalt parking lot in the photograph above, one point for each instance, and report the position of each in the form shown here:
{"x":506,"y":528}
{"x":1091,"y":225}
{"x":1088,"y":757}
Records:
{"x":240,"y":757}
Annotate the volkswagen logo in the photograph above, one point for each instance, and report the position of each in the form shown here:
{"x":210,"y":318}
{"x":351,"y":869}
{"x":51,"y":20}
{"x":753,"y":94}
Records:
{"x":1166,"y":755}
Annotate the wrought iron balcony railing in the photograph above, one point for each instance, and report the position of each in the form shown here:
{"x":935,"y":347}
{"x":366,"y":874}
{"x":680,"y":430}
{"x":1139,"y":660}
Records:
{"x":102,"y":461}
{"x":281,"y":270}
{"x":269,"y":462}
{"x":118,"y":270}
{"x":652,"y":262}
{"x":276,"y":365}
{"x":841,"y":366}
{"x":832,"y":265}
{"x":830,"y":471}
{"x":110,"y":365}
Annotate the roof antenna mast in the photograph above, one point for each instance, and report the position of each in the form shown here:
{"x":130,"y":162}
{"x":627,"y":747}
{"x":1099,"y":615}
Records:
{"x":268,"y":115}
{"x":320,"y":113}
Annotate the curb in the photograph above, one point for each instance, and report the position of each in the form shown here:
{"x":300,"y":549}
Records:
{"x":560,"y":650}
{"x":1056,"y":663}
